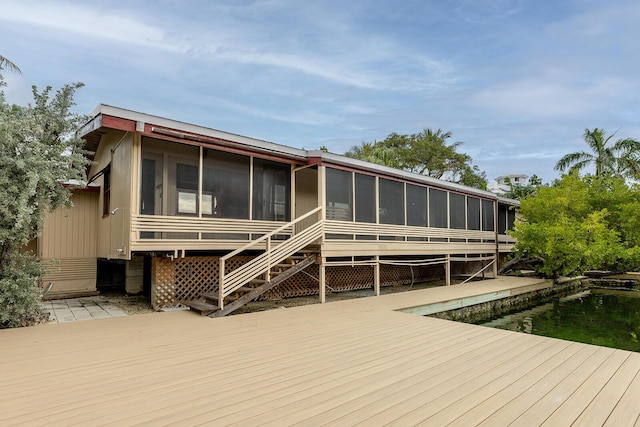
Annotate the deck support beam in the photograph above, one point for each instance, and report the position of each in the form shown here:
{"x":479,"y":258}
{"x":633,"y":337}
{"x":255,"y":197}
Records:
{"x":322,"y":279}
{"x":447,"y":270}
{"x":376,"y":277}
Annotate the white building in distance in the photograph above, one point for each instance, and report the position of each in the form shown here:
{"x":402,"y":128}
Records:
{"x":503,"y":184}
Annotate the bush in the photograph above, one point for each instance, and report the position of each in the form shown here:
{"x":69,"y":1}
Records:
{"x":20,"y":292}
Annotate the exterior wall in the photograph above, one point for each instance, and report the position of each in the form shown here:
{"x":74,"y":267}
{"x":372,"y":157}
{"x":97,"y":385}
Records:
{"x":68,"y":243}
{"x":306,"y":194}
{"x":115,"y":149}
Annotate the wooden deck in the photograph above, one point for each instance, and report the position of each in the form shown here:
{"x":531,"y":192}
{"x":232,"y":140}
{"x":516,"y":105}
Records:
{"x":342,"y":363}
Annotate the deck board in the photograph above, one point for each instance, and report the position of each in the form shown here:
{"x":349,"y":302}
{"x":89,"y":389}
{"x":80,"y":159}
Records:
{"x":340,"y":363}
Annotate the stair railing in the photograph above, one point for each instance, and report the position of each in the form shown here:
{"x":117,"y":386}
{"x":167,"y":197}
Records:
{"x":228,"y":283}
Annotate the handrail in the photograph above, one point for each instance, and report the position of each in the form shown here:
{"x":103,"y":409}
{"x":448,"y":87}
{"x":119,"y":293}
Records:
{"x":283,"y":250}
{"x":483,"y":269}
{"x":269,"y":235}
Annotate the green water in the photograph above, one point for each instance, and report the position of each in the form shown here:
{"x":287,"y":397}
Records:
{"x":601,"y":317}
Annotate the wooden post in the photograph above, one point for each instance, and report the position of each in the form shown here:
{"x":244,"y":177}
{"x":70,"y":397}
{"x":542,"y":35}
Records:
{"x":447,"y":271}
{"x":495,"y":266}
{"x":376,"y":277}
{"x":221,"y":285}
{"x":322,"y":280}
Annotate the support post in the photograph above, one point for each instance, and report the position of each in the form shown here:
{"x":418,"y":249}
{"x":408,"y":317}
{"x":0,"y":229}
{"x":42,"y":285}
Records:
{"x":322,"y":280}
{"x":376,"y":277}
{"x":221,"y":285}
{"x":447,"y":271}
{"x":495,"y":266}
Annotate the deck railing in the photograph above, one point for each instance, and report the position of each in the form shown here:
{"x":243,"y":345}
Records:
{"x":274,"y":254}
{"x":353,"y":230}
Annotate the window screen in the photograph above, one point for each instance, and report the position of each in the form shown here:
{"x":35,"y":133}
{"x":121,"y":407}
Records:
{"x":391,"y":202}
{"x":365,"y":198}
{"x":225,"y":185}
{"x":437,"y":208}
{"x":416,"y":206}
{"x":271,"y":190}
{"x":502,"y":219}
{"x":487,"y":215}
{"x":456,"y":211}
{"x":339,"y":195}
{"x":511,"y":218}
{"x":473,"y":213}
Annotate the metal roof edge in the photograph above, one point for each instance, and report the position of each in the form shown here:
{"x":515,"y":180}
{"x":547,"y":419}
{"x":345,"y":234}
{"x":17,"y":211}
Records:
{"x":105,"y":109}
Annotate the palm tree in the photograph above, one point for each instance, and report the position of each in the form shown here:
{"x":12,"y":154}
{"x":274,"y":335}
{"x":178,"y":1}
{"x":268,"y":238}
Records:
{"x":5,"y":63}
{"x":618,"y":159}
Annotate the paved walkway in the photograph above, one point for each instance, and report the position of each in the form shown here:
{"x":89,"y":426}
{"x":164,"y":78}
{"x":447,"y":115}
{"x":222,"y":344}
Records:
{"x":75,"y":309}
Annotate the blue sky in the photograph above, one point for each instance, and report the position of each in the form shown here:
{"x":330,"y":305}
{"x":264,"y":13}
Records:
{"x":516,"y":81}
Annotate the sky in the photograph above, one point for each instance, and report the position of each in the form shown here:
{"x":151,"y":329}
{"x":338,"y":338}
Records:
{"x":517,"y":81}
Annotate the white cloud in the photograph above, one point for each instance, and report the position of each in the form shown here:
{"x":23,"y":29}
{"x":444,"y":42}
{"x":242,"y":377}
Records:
{"x":93,"y":22}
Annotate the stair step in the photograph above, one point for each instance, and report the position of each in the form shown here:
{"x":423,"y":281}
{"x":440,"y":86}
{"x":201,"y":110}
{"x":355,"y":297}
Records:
{"x":203,"y":308}
{"x":258,"y":282}
{"x":213,"y":296}
{"x":283,"y":265}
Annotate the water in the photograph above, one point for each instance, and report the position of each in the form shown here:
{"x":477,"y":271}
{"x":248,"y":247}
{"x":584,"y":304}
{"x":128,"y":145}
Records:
{"x":602,"y":317}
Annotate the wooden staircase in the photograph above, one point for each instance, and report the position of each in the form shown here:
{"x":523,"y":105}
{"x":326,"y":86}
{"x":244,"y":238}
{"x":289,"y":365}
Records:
{"x":278,"y":262}
{"x":252,"y":290}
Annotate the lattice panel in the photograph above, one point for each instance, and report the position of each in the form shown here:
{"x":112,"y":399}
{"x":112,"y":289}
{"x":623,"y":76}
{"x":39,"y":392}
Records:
{"x":183,"y":279}
{"x":180,"y":280}
{"x":346,"y":278}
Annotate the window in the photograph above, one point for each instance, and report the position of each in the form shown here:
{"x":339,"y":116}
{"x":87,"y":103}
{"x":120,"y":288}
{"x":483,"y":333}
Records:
{"x":391,"y":202}
{"x":187,"y":188}
{"x":487,"y":216}
{"x":511,"y":217}
{"x":457,"y":211}
{"x":271,"y":190}
{"x":106,"y":190}
{"x":225,"y":185}
{"x":416,"y":206}
{"x":365,"y":198}
{"x":473,"y":213}
{"x":437,"y":208}
{"x":339,"y":195}
{"x":502,"y":219}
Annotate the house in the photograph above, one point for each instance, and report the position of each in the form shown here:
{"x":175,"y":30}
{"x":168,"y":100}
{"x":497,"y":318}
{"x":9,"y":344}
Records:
{"x":211,"y":219}
{"x":502,"y":184}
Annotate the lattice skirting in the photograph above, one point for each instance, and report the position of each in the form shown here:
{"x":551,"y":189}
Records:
{"x":174,"y":282}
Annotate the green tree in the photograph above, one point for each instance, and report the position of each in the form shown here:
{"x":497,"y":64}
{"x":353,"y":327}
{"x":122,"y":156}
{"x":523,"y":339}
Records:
{"x":39,"y":150}
{"x":579,"y":224}
{"x":6,"y":64}
{"x":620,"y":158}
{"x":427,"y":153}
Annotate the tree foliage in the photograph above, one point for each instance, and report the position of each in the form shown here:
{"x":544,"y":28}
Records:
{"x":519,"y":192}
{"x":620,"y":158}
{"x":39,"y":150}
{"x":6,"y":64}
{"x":579,"y":224}
{"x":427,"y":153}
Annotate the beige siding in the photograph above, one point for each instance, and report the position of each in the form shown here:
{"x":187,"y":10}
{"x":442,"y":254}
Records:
{"x":68,"y":245}
{"x":116,"y":148}
{"x":306,"y":196}
{"x":71,"y":233}
{"x":71,"y":275}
